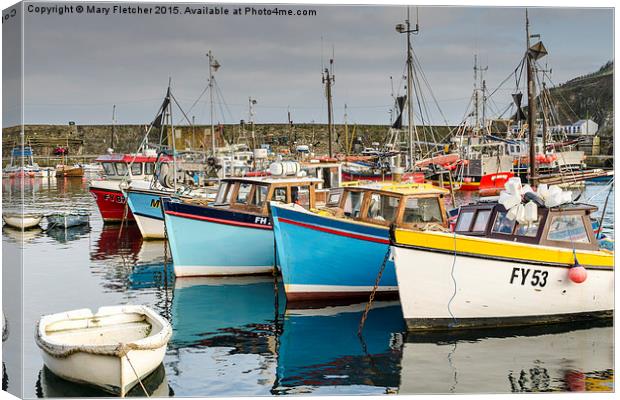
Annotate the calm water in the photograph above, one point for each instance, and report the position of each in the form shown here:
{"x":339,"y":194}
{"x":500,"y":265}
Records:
{"x":234,"y":336}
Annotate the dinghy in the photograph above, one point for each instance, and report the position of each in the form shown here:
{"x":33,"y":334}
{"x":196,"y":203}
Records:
{"x":67,"y":219}
{"x":22,"y":221}
{"x":112,"y":349}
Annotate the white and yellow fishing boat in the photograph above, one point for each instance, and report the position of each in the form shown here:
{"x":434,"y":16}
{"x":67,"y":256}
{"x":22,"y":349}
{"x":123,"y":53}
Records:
{"x":495,"y":271}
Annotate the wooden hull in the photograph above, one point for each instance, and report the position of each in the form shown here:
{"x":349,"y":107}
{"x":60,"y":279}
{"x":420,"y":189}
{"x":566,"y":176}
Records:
{"x":69,"y":172}
{"x":442,"y":288}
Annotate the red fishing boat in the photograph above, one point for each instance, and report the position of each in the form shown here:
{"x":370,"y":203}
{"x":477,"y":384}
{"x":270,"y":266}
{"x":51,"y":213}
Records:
{"x":117,"y":168}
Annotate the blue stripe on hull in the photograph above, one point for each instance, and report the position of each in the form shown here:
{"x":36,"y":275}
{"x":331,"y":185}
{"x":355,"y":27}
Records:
{"x":313,"y":257}
{"x":147,"y":204}
{"x":205,"y":244}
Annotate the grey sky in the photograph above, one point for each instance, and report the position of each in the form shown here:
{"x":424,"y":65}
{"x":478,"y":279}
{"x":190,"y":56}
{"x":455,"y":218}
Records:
{"x":77,"y":66}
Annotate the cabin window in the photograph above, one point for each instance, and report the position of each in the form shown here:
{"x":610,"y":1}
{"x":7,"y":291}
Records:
{"x":423,"y":210}
{"x":301,"y":195}
{"x":136,"y":168}
{"x":260,"y":195}
{"x":108,"y":168}
{"x":528,"y":230}
{"x":464,"y":222}
{"x":279,"y":194}
{"x":333,"y":198}
{"x":242,"y":193}
{"x":353,"y":204}
{"x":568,"y":228}
{"x":121,"y":168}
{"x":503,"y":224}
{"x":382,"y":208}
{"x":482,"y":219}
{"x":223,"y":194}
{"x":148,"y":168}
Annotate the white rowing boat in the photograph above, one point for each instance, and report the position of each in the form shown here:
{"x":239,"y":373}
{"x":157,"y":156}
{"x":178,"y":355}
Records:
{"x":112,"y":349}
{"x":22,"y":221}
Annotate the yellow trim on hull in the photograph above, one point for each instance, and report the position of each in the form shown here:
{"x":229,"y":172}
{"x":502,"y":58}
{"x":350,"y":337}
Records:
{"x":486,"y":247}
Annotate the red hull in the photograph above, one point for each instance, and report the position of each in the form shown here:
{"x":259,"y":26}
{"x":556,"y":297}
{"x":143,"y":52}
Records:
{"x":111,"y":204}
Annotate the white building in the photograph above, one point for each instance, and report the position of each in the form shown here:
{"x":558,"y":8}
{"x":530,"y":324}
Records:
{"x":581,"y":127}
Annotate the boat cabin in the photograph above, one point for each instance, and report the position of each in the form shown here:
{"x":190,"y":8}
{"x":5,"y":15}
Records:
{"x":568,"y":225}
{"x":134,"y":166}
{"x":253,"y":194}
{"x":329,"y":173}
{"x":409,"y":205}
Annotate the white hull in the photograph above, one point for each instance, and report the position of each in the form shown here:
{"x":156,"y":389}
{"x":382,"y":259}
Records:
{"x":111,"y":349}
{"x":112,"y":374}
{"x":22,"y":222}
{"x":485,"y":296}
{"x":197,"y":270}
{"x":150,"y":228}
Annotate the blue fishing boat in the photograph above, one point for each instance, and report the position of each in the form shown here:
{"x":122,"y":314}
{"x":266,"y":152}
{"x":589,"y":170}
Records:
{"x":336,"y":253}
{"x":319,"y":349}
{"x":233,"y":235}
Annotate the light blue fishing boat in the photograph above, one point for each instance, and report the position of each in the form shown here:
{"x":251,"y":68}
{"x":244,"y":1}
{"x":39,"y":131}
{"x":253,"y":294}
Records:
{"x":233,"y":235}
{"x":145,"y":205}
{"x":337,"y":253}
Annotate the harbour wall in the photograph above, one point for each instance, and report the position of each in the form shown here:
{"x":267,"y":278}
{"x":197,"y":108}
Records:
{"x":86,"y":142}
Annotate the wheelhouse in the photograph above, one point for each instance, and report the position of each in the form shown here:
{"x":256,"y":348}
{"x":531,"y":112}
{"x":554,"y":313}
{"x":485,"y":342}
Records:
{"x":407,"y":205}
{"x":253,"y":194}
{"x":567,"y":226}
{"x":136,"y":166}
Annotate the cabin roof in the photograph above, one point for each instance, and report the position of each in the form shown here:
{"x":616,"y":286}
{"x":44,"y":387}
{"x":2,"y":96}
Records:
{"x":562,"y":207}
{"x":272,"y":179}
{"x":406,"y":188}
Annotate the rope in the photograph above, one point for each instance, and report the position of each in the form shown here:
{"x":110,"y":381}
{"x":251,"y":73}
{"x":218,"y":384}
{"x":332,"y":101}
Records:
{"x":373,"y":292}
{"x":136,"y":374}
{"x":120,"y":231}
{"x":454,"y":321}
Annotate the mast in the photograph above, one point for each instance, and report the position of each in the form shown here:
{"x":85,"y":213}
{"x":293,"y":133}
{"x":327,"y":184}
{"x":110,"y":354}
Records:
{"x":406,"y":28}
{"x":213,"y":67}
{"x":479,"y":95}
{"x":173,"y":136}
{"x":251,"y":103}
{"x":531,"y":104}
{"x":113,"y":126}
{"x":346,"y":131}
{"x":328,"y":80}
{"x":476,"y":95}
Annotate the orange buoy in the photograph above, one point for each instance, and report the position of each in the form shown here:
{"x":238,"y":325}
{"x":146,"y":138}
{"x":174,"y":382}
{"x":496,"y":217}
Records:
{"x":577,"y":273}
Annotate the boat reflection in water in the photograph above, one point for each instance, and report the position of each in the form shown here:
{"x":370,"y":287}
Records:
{"x":19,"y":236}
{"x":576,"y":357}
{"x":115,"y":243}
{"x":320,"y":352}
{"x":224,"y":336}
{"x":64,"y":235}
{"x":51,"y":385}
